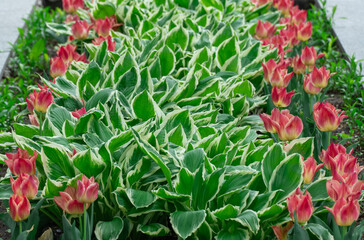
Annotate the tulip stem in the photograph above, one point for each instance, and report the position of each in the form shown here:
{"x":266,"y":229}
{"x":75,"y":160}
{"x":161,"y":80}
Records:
{"x":326,"y":139}
{"x":344,"y":231}
{"x":84,"y":222}
{"x":80,"y":220}
{"x":20,"y":227}
{"x":40,"y":124}
{"x":92,"y":215}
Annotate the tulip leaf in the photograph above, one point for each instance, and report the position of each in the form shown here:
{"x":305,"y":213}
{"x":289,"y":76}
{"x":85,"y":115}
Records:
{"x":186,"y":223}
{"x":154,"y":229}
{"x":69,"y":231}
{"x":109,"y":230}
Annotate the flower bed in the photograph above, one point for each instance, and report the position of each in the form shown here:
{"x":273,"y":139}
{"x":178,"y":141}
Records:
{"x":152,"y":126}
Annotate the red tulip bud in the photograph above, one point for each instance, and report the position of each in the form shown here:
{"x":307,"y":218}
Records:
{"x":320,"y":77}
{"x":103,"y":27}
{"x":43,"y":99}
{"x":264,"y":30}
{"x":281,"y":232}
{"x":310,"y":167}
{"x":80,"y":29}
{"x":301,"y":204}
{"x":78,"y":113}
{"x":304,"y":31}
{"x":332,"y":151}
{"x":309,"y":56}
{"x":87,"y":190}
{"x":345,"y":212}
{"x":26,"y":185}
{"x":58,"y":67}
{"x":326,"y":116}
{"x":280,"y":78}
{"x":71,"y":6}
{"x":309,"y":87}
{"x":298,"y":66}
{"x":68,"y":202}
{"x":19,"y":207}
{"x":21,"y":162}
{"x":280,"y":97}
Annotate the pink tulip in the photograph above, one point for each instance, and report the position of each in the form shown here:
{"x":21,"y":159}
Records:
{"x":68,"y":202}
{"x":43,"y":99}
{"x":320,"y":77}
{"x":309,"y":87}
{"x":301,"y":204}
{"x":280,"y":97}
{"x":71,"y":6}
{"x":310,"y":168}
{"x":110,"y":43}
{"x":259,"y":3}
{"x":87,"y":190}
{"x":21,"y":162}
{"x":284,"y":6}
{"x":19,"y":207}
{"x":345,"y":212}
{"x":80,"y":29}
{"x":103,"y":27}
{"x":326,"y":116}
{"x":298,"y":66}
{"x":78,"y":113}
{"x":58,"y":67}
{"x":33,"y":120}
{"x":268,"y":120}
{"x":332,"y":151}
{"x":298,"y":16}
{"x":71,"y":18}
{"x":289,"y":35}
{"x":304,"y":31}
{"x":268,"y":69}
{"x":280,"y":78}
{"x":309,"y":56}
{"x":26,"y":185}
{"x":264,"y":30}
{"x":281,"y":232}
{"x":337,"y":190}
{"x":68,"y":54}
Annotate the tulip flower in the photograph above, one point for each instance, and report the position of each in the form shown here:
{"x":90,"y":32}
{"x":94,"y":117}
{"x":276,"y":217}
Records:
{"x":298,"y":16}
{"x":71,"y":6}
{"x":110,"y":43}
{"x":310,"y":168}
{"x":280,"y":78}
{"x":304,"y":31}
{"x":21,"y":162}
{"x":103,"y":27}
{"x":268,"y":69}
{"x":78,"y":113}
{"x":280,"y":97}
{"x":326,"y":116}
{"x":87,"y":190}
{"x":320,"y":77}
{"x":281,"y":232}
{"x":309,"y":56}
{"x":80,"y":29}
{"x":58,"y":67}
{"x":290,"y":35}
{"x":284,"y":6}
{"x":337,"y":190}
{"x":332,"y":151}
{"x":33,"y":120}
{"x":68,"y":202}
{"x":343,"y":163}
{"x":43,"y":99}
{"x":301,"y":204}
{"x":30,"y":102}
{"x":309,"y":87}
{"x":275,"y":41}
{"x":345,"y":212}
{"x":71,"y":18}
{"x":19,"y":207}
{"x":264,"y":30}
{"x":287,"y":126}
{"x":26,"y":185}
{"x":298,"y":66}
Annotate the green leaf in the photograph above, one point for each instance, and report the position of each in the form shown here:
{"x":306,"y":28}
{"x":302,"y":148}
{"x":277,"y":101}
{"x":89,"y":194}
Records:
{"x":58,"y":115}
{"x":103,"y":9}
{"x":56,"y":162}
{"x":303,"y":146}
{"x":186,"y":223}
{"x":37,"y":49}
{"x":178,"y":36}
{"x":25,"y":130}
{"x":271,"y":160}
{"x":167,"y":60}
{"x":91,"y":74}
{"x":87,"y":163}
{"x":194,"y":159}
{"x":165,"y":194}
{"x":297,"y":232}
{"x":184,"y":182}
{"x":287,"y":176}
{"x":213,"y":3}
{"x":69,"y":231}
{"x":153,"y":229}
{"x":317,"y":189}
{"x":237,"y":234}
{"x":248,"y":219}
{"x":109,"y":230}
{"x":319,"y":231}
{"x":59,"y":28}
{"x":143,"y":106}
{"x":226,"y":212}
{"x":140,"y":199}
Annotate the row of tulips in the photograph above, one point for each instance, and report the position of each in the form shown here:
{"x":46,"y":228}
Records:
{"x":344,"y":188}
